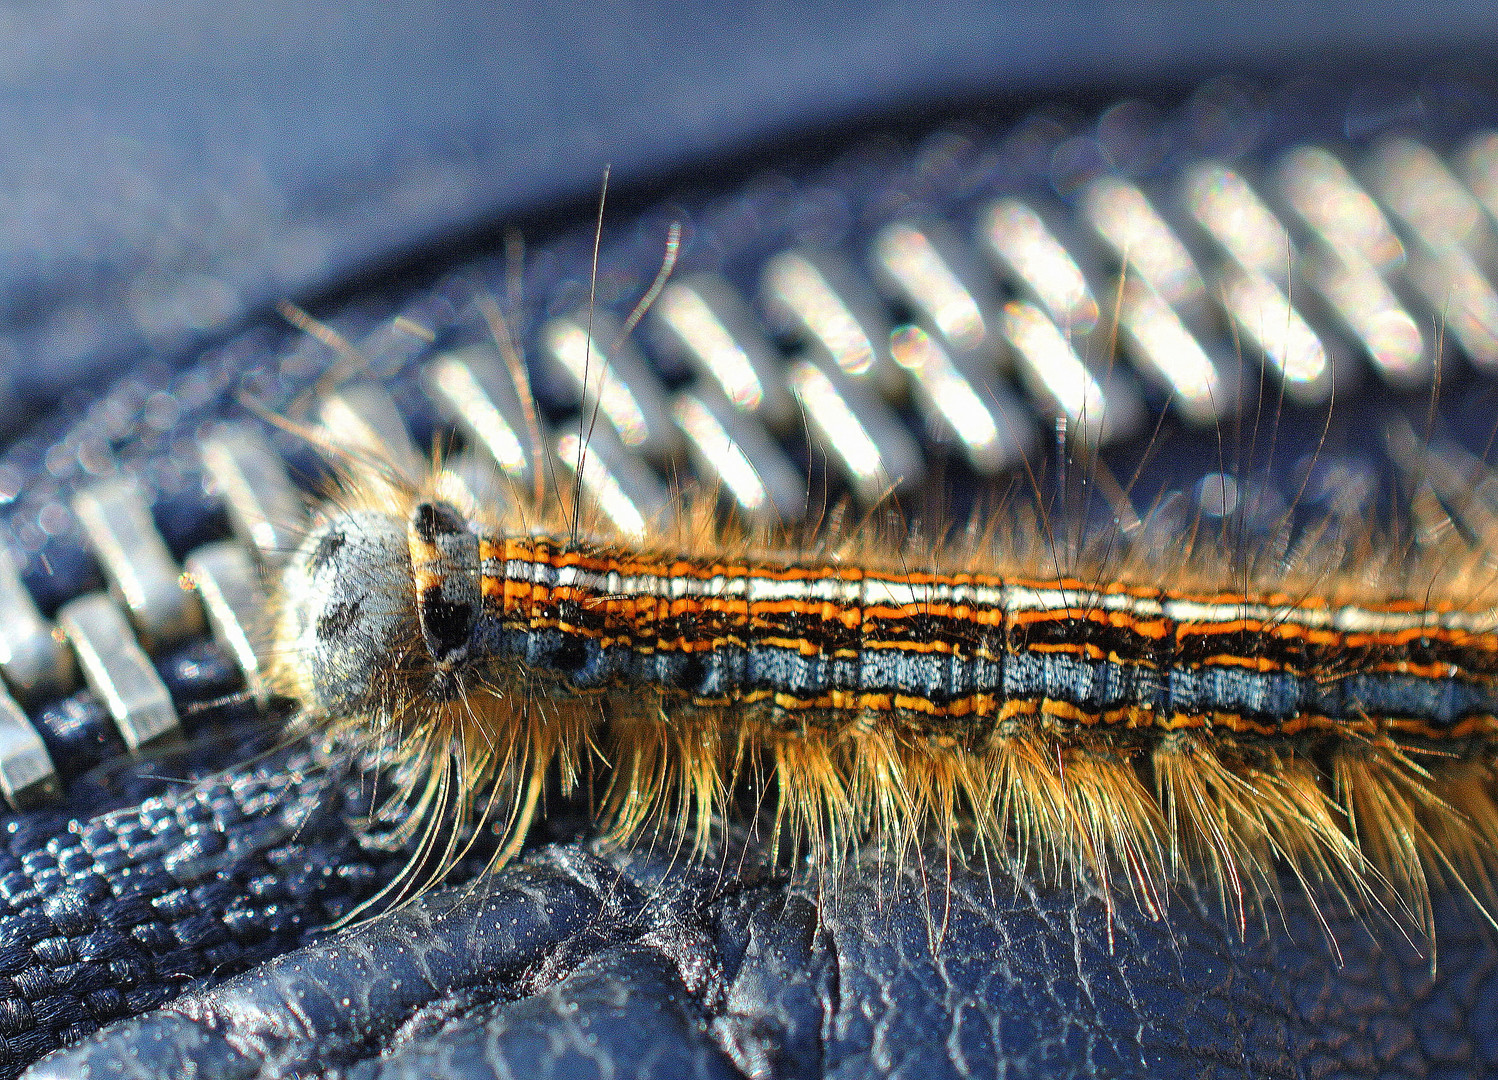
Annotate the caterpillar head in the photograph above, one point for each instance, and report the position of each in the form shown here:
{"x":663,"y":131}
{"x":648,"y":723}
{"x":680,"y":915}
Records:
{"x":375,"y":608}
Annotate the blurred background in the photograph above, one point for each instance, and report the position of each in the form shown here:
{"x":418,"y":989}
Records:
{"x":169,"y":170}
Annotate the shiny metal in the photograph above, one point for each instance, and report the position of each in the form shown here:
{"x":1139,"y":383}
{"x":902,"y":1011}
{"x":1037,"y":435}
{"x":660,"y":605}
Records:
{"x":818,"y":297}
{"x":28,"y":778}
{"x":474,"y":390}
{"x":1140,"y":239}
{"x":1227,"y":209}
{"x":856,"y":431}
{"x":393,"y":343}
{"x":1166,"y":352}
{"x":1026,"y":251}
{"x":990,"y":425}
{"x":731,"y":450}
{"x":1373,"y":315}
{"x":614,"y":481}
{"x":1265,"y":318}
{"x":1418,"y":188}
{"x":265,"y":508}
{"x":36,"y":663}
{"x":702,"y":318}
{"x":609,"y":377}
{"x":362,"y":417}
{"x":1420,"y":466}
{"x":1356,"y":246}
{"x":135,"y":559}
{"x":229,"y":584}
{"x":118,"y":671}
{"x":478,"y":481}
{"x":1478,"y":164}
{"x":922,"y":266}
{"x":1461,"y":300}
{"x":1061,"y":384}
{"x":1450,"y":471}
{"x":1321,"y":191}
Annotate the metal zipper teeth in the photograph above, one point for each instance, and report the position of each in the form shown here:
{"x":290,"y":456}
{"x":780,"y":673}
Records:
{"x":989,"y":329}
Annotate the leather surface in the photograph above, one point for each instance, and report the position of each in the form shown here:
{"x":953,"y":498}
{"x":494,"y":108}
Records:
{"x":575,"y":964}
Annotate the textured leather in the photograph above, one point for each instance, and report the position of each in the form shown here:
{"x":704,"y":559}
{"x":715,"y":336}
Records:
{"x":580,"y":964}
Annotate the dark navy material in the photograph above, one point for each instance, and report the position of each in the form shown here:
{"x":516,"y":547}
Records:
{"x":575,"y":964}
{"x":1094,"y":686}
{"x":1205,"y":690}
{"x":1443,"y":701}
{"x":79,"y":733}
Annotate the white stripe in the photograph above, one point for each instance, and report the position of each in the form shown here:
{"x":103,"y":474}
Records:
{"x":727,"y":586}
{"x":640,"y":585}
{"x":895,"y":593}
{"x":1025,"y":598}
{"x":770,"y":589}
{"x":1009,"y":598}
{"x":1192,"y":611}
{"x":522,"y":569}
{"x":988,"y":595}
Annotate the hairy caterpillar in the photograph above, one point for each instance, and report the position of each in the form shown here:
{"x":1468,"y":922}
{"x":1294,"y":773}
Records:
{"x":1133,"y":714}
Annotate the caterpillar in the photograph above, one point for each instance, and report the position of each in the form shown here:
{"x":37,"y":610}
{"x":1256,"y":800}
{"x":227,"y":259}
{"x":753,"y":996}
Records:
{"x":1129,"y":714}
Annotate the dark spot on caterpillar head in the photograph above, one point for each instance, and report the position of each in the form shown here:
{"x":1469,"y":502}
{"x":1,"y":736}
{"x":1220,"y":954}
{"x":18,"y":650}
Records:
{"x":339,"y":619}
{"x":444,"y":624}
{"x":326,"y":549}
{"x":434,"y":520}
